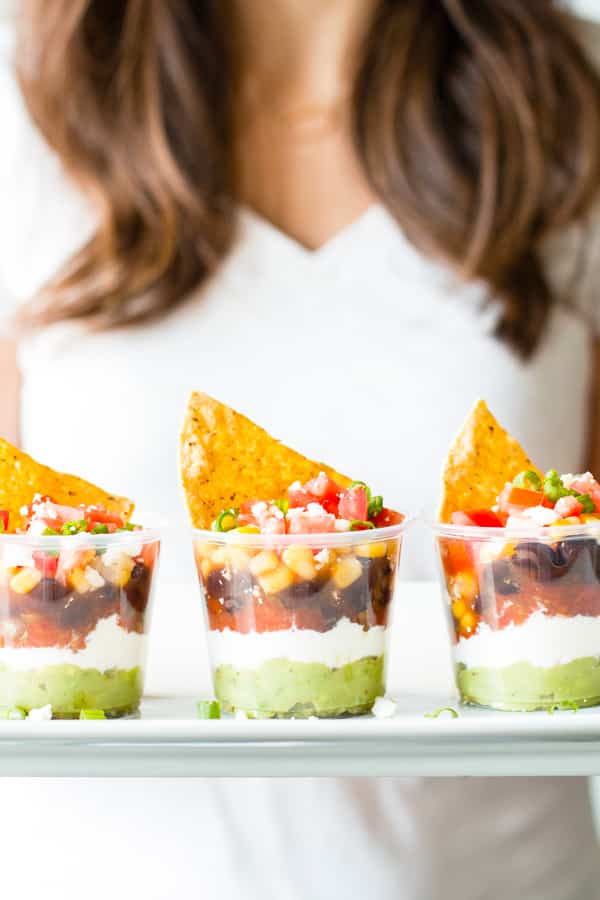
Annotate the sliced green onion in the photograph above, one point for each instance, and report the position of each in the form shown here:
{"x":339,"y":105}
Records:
{"x":528,"y":479}
{"x":220,"y":524}
{"x":358,"y":524}
{"x":442,"y":709}
{"x":208,"y":709}
{"x":92,"y":714}
{"x":586,"y":501}
{"x":364,"y":485}
{"x":554,"y":488}
{"x":50,"y":531}
{"x":375,"y":506}
{"x":75,"y":527}
{"x":99,"y":529}
{"x":283,"y":505}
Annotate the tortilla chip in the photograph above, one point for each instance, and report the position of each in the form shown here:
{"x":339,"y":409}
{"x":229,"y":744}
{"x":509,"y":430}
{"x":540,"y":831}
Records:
{"x":21,"y":477}
{"x":225,"y":459}
{"x":481,"y":460}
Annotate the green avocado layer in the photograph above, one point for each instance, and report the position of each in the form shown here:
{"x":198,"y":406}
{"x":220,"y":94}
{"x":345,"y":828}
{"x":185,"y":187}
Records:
{"x":70,"y":689}
{"x":523,"y":687}
{"x":283,"y":688}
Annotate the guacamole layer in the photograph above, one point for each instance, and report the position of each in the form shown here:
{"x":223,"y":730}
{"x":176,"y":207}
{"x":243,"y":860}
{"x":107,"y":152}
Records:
{"x":523,"y":687}
{"x":281,"y":688}
{"x":70,"y":689}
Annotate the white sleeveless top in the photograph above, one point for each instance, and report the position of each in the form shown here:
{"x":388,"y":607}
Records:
{"x":364,"y":354}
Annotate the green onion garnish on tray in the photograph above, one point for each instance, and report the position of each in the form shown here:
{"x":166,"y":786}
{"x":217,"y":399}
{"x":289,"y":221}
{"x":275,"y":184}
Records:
{"x":442,"y":709}
{"x":92,"y":714}
{"x":208,"y":709}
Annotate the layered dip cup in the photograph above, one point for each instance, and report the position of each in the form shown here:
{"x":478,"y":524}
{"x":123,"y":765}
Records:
{"x":524,"y":613}
{"x":297,"y":622}
{"x":74,"y":612}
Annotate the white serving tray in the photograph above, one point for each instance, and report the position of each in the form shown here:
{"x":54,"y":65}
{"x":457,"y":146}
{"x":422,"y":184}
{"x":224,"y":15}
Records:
{"x":167,"y":740}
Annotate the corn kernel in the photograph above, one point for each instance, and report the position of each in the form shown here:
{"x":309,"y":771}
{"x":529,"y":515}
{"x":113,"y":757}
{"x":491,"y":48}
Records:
{"x":273,"y":582}
{"x":265,"y":561}
{"x":219,"y":556}
{"x":118,"y":572}
{"x":458,"y":609}
{"x":78,"y":581}
{"x":374,"y":550}
{"x":248,"y":529}
{"x":300,"y":560}
{"x":25,"y":580}
{"x":468,"y":622}
{"x":346,"y":572}
{"x":239,"y":557}
{"x":590,"y":517}
{"x":464,"y":587}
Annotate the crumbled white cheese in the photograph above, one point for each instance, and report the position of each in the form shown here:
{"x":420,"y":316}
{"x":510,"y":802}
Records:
{"x":240,"y":714}
{"x":342,"y":525}
{"x":322,"y":557}
{"x":384,"y":708}
{"x":568,"y":479}
{"x":41,"y":713}
{"x":296,"y":486}
{"x":259,"y":509}
{"x":541,"y":515}
{"x":315,"y":509}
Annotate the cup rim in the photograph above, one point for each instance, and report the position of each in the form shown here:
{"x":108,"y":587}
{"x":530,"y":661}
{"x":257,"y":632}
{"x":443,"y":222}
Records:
{"x":81,"y":540}
{"x":327,"y":539}
{"x":536,"y":532}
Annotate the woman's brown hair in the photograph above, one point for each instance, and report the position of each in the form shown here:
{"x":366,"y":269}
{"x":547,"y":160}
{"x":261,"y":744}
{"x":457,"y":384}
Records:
{"x":477,"y":122}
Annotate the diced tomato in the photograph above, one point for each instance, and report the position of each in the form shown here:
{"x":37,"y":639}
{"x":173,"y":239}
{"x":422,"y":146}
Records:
{"x":519,"y":498}
{"x":353,"y":503}
{"x":482,"y":518}
{"x":307,"y":523}
{"x":45,"y":563}
{"x":4,"y":517}
{"x":321,"y":489}
{"x":456,"y":555}
{"x":266,"y":516}
{"x":587,"y":484}
{"x":387,"y":517}
{"x":568,"y":506}
{"x":149,"y":553}
{"x":97,"y":515}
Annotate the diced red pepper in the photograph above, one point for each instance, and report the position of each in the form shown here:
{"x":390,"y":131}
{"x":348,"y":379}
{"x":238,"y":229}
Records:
{"x":521,"y":498}
{"x":4,"y":517}
{"x":482,"y":518}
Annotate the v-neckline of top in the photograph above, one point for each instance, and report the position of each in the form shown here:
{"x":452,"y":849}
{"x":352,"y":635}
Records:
{"x":250,"y":219}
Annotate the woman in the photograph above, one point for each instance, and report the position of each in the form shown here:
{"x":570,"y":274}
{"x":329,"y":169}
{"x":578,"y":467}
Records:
{"x":347,"y":218}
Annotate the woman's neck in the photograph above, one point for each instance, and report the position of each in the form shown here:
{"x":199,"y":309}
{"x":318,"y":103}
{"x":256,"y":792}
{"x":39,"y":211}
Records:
{"x":303,"y":48}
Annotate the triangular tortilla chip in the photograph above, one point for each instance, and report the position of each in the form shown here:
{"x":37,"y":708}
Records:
{"x":21,"y":477}
{"x":226,"y":459}
{"x":481,"y":460}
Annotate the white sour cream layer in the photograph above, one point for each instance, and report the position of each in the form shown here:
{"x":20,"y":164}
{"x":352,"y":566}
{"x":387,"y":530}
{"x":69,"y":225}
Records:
{"x":542,"y":641}
{"x":108,"y":646}
{"x":344,"y":643}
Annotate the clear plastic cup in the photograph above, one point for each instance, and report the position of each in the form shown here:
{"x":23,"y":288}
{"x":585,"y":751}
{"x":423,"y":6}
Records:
{"x":74,"y":612}
{"x":297,"y":623}
{"x":524,"y":614}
